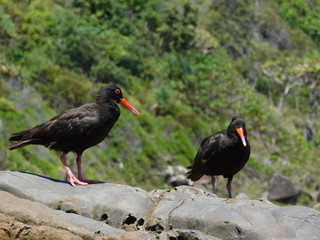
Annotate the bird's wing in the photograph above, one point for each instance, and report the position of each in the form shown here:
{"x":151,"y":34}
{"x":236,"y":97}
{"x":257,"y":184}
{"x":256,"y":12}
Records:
{"x":69,"y":124}
{"x":211,"y":146}
{"x":207,"y":149}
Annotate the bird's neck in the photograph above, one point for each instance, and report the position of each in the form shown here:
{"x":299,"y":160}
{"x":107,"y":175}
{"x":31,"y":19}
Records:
{"x":110,"y":106}
{"x":231,"y":132}
{"x":108,"y":110}
{"x":104,"y":101}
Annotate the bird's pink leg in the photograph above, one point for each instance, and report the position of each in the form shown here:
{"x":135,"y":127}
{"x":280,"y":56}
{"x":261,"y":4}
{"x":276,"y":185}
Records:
{"x":229,"y":186}
{"x":213,"y":181}
{"x":80,"y":176}
{"x":72,"y":178}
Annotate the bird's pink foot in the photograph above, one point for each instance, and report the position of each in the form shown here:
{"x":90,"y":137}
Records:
{"x":87,"y":181}
{"x":74,"y":180}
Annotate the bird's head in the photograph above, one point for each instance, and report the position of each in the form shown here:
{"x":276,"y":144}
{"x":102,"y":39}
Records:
{"x":238,"y":125}
{"x":114,"y":93}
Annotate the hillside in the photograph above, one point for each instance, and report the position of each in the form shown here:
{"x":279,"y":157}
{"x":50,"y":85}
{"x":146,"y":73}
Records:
{"x":187,"y":66}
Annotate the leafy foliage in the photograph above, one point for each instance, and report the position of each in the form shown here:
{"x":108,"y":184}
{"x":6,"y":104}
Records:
{"x":303,"y":15}
{"x":187,"y":66}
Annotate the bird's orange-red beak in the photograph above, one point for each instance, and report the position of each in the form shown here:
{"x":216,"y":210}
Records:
{"x":241,"y":135}
{"x":128,"y":106}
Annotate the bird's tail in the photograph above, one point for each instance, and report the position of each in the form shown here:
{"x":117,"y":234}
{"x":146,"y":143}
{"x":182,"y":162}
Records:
{"x":194,"y":175}
{"x":21,"y":139}
{"x":20,"y":144}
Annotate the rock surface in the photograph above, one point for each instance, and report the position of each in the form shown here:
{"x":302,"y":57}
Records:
{"x":34,"y":207}
{"x":176,"y":176}
{"x":282,"y":190}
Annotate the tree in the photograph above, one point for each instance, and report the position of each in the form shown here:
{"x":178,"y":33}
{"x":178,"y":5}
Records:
{"x":282,"y":78}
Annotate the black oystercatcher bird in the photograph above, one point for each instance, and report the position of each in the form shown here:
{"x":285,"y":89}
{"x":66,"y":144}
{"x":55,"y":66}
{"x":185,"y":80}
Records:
{"x":77,"y":129}
{"x":223,"y":153}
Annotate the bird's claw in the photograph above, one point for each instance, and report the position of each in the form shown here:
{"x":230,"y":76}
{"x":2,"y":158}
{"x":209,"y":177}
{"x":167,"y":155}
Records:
{"x":74,"y":180}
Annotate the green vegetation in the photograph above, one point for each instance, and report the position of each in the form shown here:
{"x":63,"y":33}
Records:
{"x":187,"y":67}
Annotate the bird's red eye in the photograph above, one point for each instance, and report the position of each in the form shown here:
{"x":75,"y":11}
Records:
{"x":117,"y":91}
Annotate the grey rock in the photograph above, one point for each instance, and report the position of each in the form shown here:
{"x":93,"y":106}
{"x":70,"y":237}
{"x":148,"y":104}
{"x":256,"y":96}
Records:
{"x":124,"y":212}
{"x":189,"y":235}
{"x":35,"y":213}
{"x":21,"y":231}
{"x":226,"y":219}
{"x":282,"y":190}
{"x":176,"y":176}
{"x":94,"y":201}
{"x":298,"y":221}
{"x":133,"y":236}
{"x":242,"y":196}
{"x":307,"y":179}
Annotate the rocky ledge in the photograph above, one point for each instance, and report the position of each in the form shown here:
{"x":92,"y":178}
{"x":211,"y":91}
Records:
{"x":34,"y":207}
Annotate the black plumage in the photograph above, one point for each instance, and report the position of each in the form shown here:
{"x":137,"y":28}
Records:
{"x":77,"y":129}
{"x":223,"y":153}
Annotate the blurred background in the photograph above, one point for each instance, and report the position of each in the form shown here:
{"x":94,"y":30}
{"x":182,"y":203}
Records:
{"x":188,"y":66}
